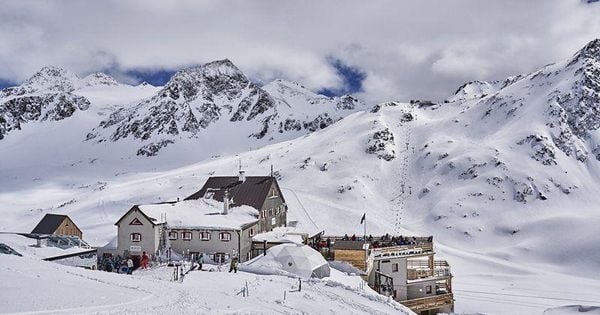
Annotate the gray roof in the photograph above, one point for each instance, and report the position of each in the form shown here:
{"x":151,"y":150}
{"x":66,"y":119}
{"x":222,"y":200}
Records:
{"x":251,"y":192}
{"x":49,"y":224}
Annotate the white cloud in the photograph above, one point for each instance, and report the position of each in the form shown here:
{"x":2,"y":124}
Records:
{"x":419,"y":49}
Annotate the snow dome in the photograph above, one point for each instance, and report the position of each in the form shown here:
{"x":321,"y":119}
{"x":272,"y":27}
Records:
{"x":300,"y":260}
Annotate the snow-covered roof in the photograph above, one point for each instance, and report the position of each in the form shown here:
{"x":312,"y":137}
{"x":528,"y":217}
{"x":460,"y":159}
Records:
{"x":281,"y":235}
{"x":26,"y":247}
{"x":200,"y":214}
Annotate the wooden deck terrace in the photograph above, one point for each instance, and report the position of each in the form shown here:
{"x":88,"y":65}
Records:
{"x":429,"y":303}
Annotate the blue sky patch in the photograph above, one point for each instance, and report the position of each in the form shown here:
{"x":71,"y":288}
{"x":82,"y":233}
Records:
{"x":6,"y":83}
{"x":154,"y":77}
{"x":352,"y":79}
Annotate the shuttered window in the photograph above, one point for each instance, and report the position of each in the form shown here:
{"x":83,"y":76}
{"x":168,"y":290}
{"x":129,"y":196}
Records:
{"x":225,"y":236}
{"x":135,"y":237}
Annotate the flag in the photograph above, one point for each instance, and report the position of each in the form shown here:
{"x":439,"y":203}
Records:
{"x":363,"y":218}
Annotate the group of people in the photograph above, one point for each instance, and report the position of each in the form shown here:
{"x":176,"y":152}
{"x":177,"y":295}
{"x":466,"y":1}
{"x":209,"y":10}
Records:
{"x":386,"y":240}
{"x":355,"y":238}
{"x":126,"y":265}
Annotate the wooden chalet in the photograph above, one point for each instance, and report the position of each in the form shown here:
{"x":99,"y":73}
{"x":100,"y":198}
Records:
{"x":57,"y":224}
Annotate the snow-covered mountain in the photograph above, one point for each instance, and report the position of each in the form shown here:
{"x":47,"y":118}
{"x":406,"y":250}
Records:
{"x":503,"y":173}
{"x":52,"y":94}
{"x":197,"y":101}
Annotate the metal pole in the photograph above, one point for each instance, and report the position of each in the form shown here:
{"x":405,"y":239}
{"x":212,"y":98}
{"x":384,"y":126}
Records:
{"x":365,"y":241}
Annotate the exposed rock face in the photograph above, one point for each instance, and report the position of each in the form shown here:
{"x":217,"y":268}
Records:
{"x":575,"y":112}
{"x":382,"y":145}
{"x":47,"y":95}
{"x":192,"y":100}
{"x":542,"y":149}
{"x":196,"y":99}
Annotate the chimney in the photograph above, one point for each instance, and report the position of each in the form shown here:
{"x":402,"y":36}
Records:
{"x":226,"y":202}
{"x":242,"y":176}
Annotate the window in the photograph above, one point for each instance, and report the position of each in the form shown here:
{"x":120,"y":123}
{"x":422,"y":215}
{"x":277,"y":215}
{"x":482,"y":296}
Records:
{"x":273,"y":221}
{"x":225,"y":236}
{"x":205,"y":236}
{"x":173,"y":236}
{"x":186,"y":236}
{"x":394,"y":267}
{"x":251,"y":232}
{"x":428,"y":289}
{"x":135,"y":237}
{"x":136,"y":221}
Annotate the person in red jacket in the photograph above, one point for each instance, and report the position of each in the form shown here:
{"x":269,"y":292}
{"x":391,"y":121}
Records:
{"x":144,"y":261}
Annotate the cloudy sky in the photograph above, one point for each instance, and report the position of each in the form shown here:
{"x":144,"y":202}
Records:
{"x":379,"y":50}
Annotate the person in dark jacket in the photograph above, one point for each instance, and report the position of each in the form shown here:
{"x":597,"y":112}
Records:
{"x":233,"y":266}
{"x":200,"y":261}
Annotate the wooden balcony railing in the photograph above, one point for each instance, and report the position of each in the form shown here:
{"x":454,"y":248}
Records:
{"x":419,"y":269}
{"x":430,"y":302}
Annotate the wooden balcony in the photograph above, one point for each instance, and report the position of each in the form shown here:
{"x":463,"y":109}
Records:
{"x":420,"y":269}
{"x":429,"y":303}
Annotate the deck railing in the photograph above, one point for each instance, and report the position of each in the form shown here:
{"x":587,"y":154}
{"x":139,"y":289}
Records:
{"x":419,"y":269}
{"x":430,"y":302}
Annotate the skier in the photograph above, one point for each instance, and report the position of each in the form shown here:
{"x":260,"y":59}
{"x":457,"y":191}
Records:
{"x":144,"y":260}
{"x":233,"y":266}
{"x":200,"y":261}
{"x":129,"y":266}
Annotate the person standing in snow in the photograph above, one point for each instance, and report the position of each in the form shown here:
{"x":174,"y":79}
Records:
{"x":129,"y":266}
{"x":200,"y":261}
{"x":233,"y":266}
{"x":144,"y":260}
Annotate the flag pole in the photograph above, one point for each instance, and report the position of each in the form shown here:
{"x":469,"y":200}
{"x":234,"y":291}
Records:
{"x":365,"y":240}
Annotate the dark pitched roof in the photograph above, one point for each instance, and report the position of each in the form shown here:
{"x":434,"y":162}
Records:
{"x":49,"y":223}
{"x":251,"y":192}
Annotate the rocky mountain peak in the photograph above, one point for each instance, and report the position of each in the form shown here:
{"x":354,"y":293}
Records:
{"x":52,"y":78}
{"x":222,"y":67}
{"x":98,"y":79}
{"x":213,"y":78}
